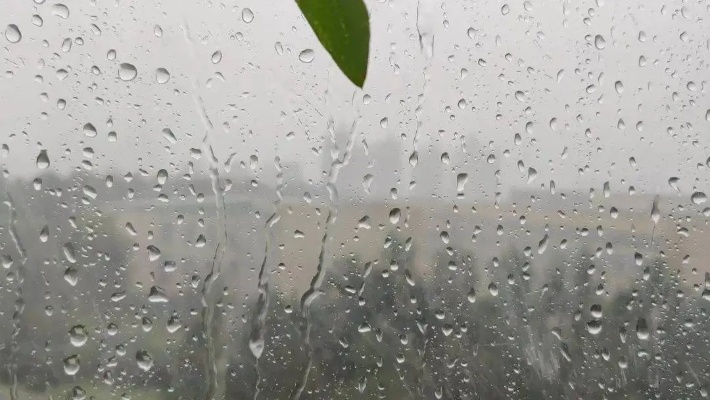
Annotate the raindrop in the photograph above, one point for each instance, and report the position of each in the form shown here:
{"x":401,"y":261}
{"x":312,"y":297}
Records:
{"x":642,"y":329}
{"x":247,"y":15}
{"x":505,"y":9}
{"x":471,"y":296}
{"x":42,"y":160}
{"x":78,"y":335}
{"x":71,"y":365}
{"x":12,"y":33}
{"x":216,"y":57}
{"x":673,"y":183}
{"x":144,"y":360}
{"x":493,"y":289}
{"x":162,"y":75}
{"x":89,"y":130}
{"x":157,"y":295}
{"x":599,"y":42}
{"x":594,"y":326}
{"x":127,"y":72}
{"x":461,"y":180}
{"x":698,"y":198}
{"x":619,"y":87}
{"x":44,"y":234}
{"x":153,"y":253}
{"x":307,"y":56}
{"x":395,"y":215}
{"x":60,"y":10}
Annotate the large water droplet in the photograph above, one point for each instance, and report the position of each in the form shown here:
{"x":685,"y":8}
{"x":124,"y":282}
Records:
{"x":162,"y":75}
{"x":698,"y":198}
{"x":127,"y":72}
{"x":216,"y":57}
{"x":42,"y":160}
{"x":78,"y":335}
{"x":307,"y":56}
{"x":599,"y":42}
{"x":642,"y":329}
{"x":247,"y":15}
{"x":71,"y":365}
{"x":144,"y":360}
{"x":157,"y":295}
{"x":60,"y":10}
{"x":89,"y":130}
{"x":12,"y":33}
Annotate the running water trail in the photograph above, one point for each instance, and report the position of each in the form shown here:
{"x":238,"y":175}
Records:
{"x":256,"y":339}
{"x":208,"y":307}
{"x":317,"y":281}
{"x":19,"y":303}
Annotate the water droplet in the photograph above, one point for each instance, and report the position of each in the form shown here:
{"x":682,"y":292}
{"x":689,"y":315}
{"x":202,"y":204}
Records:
{"x":471,"y":296}
{"x":599,"y":42}
{"x":12,"y":33}
{"x":162,"y":75}
{"x":127,"y":72}
{"x":698,"y":198}
{"x":493,"y":289}
{"x":42,"y":160}
{"x":89,"y":130}
{"x":173,"y":324}
{"x":169,"y":135}
{"x":642,"y":329}
{"x":307,"y":56}
{"x":71,"y":365}
{"x":461,"y":180}
{"x":44,"y":234}
{"x":395,"y":215}
{"x":505,"y":9}
{"x":673,"y":183}
{"x":619,"y":87}
{"x":594,"y":326}
{"x":144,"y":360}
{"x":69,"y":254}
{"x":247,"y":15}
{"x":60,"y":10}
{"x":157,"y":295}
{"x":78,"y":335}
{"x":542,"y":245}
{"x":216,"y":57}
{"x":153,"y":253}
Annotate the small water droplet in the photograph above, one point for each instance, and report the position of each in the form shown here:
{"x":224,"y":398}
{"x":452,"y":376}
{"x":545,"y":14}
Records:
{"x":505,"y":9}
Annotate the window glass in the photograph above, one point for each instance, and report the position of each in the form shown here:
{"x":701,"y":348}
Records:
{"x":198,"y":203}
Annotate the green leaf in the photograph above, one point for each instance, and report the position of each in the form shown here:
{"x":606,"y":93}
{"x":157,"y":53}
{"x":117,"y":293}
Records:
{"x":343,"y":28}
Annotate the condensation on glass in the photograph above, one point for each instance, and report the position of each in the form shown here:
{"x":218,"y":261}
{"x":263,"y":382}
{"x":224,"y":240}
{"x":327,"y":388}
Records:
{"x":197,"y":204}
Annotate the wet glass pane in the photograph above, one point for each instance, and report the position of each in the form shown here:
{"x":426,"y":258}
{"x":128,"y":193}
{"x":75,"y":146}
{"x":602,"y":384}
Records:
{"x":198,"y":204}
